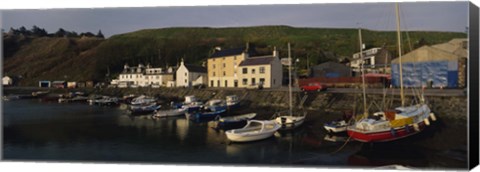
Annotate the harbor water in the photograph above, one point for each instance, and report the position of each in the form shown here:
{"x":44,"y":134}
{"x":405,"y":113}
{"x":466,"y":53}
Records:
{"x":40,"y":131}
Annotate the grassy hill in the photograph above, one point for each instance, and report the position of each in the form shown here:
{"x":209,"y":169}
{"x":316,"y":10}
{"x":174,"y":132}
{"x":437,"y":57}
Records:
{"x":91,"y":58}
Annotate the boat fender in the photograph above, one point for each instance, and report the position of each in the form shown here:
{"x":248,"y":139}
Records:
{"x":407,"y":129}
{"x":392,"y":131}
{"x":427,"y":122}
{"x":432,"y":116}
{"x":416,"y":127}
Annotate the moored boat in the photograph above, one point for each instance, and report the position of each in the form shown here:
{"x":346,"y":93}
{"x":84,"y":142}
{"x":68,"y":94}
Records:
{"x":206,"y":116}
{"x":216,"y":105}
{"x":395,"y":124}
{"x":169,"y":113}
{"x":391,"y":125}
{"x":232,"y":101}
{"x":337,"y":126}
{"x":253,"y":131}
{"x":291,"y":120}
{"x":234,"y":121}
{"x":144,"y":109}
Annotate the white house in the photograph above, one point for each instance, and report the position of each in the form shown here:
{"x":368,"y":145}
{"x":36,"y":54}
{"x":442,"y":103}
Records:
{"x":143,"y":76}
{"x":7,"y":81}
{"x":373,"y":59}
{"x":190,"y":75}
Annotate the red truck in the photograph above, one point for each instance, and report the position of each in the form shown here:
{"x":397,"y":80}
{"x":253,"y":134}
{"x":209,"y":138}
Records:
{"x":313,"y":86}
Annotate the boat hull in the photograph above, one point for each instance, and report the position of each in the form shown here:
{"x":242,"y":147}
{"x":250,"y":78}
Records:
{"x":385,"y":135}
{"x":254,"y":137}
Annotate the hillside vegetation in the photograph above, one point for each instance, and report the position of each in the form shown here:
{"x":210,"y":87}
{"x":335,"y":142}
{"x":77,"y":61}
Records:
{"x":89,"y":58}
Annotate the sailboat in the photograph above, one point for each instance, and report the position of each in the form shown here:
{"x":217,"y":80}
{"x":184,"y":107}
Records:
{"x":394,"y":124}
{"x":289,"y":121}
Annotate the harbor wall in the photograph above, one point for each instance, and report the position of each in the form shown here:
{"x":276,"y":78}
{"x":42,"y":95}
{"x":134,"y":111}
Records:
{"x":449,"y":107}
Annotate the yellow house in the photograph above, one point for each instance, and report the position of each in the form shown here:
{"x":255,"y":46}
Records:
{"x":222,"y":66}
{"x":237,"y":68}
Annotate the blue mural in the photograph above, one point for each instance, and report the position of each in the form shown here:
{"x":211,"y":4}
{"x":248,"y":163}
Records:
{"x":440,"y":73}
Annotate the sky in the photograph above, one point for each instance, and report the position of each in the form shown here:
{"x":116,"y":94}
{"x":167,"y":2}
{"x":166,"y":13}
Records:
{"x":427,"y":16}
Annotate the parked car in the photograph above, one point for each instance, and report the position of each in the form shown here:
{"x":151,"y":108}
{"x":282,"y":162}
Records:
{"x":314,"y":86}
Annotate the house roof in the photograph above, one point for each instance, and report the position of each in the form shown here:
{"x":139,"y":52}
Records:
{"x":252,"y":61}
{"x":426,"y":53}
{"x":195,"y":68}
{"x":329,"y":64}
{"x":232,"y":52}
{"x":456,"y":46}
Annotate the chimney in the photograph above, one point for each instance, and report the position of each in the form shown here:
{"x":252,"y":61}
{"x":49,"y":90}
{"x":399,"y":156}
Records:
{"x":275,"y":52}
{"x":247,"y":46}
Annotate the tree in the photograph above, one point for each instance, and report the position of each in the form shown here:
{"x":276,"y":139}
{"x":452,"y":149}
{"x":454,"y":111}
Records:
{"x":36,"y":31}
{"x":100,"y":34}
{"x":60,"y":33}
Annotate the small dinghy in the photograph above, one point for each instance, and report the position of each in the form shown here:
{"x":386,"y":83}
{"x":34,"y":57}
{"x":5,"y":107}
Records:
{"x":253,"y":131}
{"x":337,"y":126}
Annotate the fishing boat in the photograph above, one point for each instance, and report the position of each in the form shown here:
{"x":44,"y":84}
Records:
{"x":232,"y":101}
{"x":253,"y":131}
{"x":206,"y":115}
{"x":169,"y":113}
{"x":390,"y":125}
{"x":290,"y":121}
{"x":144,"y":109}
{"x":234,"y":121}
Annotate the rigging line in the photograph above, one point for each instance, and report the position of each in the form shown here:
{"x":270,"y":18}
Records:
{"x":341,"y":147}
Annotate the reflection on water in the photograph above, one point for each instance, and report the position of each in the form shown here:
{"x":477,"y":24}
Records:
{"x":78,"y":132}
{"x":383,"y":155}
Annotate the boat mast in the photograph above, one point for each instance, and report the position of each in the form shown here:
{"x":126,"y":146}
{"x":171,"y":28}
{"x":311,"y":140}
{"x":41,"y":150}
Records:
{"x":399,"y":54}
{"x":290,"y":79}
{"x":363,"y":73}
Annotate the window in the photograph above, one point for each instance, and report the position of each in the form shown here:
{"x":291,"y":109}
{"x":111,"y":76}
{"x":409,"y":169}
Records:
{"x":262,"y":81}
{"x":213,"y":73}
{"x":224,"y":65}
{"x":214,"y":66}
{"x":262,"y":69}
{"x":253,"y":81}
{"x":211,"y":83}
{"x":244,"y":70}
{"x":185,"y":73}
{"x":223,"y":73}
{"x":186,"y":81}
{"x":218,"y":83}
{"x":273,"y":81}
{"x":226,"y":83}
{"x":245,"y":81}
{"x":235,"y":83}
{"x":253,"y":71}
